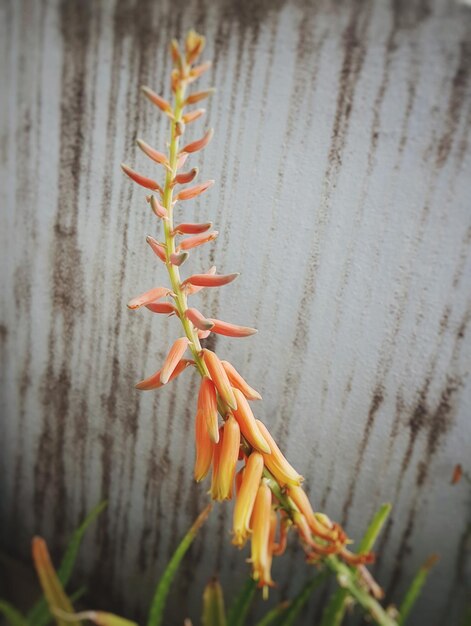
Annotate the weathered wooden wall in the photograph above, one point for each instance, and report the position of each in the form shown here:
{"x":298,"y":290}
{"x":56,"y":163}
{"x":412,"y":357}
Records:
{"x":342,"y":161}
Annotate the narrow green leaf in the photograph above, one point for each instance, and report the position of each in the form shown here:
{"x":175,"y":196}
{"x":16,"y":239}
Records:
{"x":301,"y":598}
{"x":241,"y":604}
{"x":334,"y":612}
{"x":101,"y":618}
{"x":213,"y":605}
{"x":11,"y":614}
{"x":415,"y":588}
{"x":39,"y":614}
{"x":273,"y":614}
{"x":160,"y":596}
{"x":50,"y":583}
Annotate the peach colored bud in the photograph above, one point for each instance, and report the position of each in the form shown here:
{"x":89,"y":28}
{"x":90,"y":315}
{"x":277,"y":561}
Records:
{"x":210,"y":280}
{"x":185,"y":177}
{"x":175,"y":52}
{"x":284,"y":473}
{"x":199,"y":144}
{"x":173,"y":357}
{"x":304,"y":531}
{"x":197,"y":96}
{"x":192,"y":192}
{"x":246,"y":498}
{"x":207,"y":403}
{"x":181,"y":160}
{"x":192,"y":289}
{"x":198,"y":320}
{"x":247,"y":423}
{"x":300,"y":499}
{"x":148,"y":183}
{"x":193,"y":115}
{"x":188,"y":228}
{"x":162,"y":307}
{"x":219,"y":377}
{"x":155,"y":155}
{"x":154,"y":381}
{"x":198,"y":240}
{"x":232,"y":330}
{"x":158,"y":248}
{"x":228,"y":452}
{"x":278,"y":548}
{"x":158,"y":209}
{"x":357,"y":559}
{"x":149,"y":296}
{"x":156,"y":99}
{"x":260,"y":524}
{"x":194,"y":47}
{"x":178,"y":258}
{"x":238,"y":382}
{"x":202,"y":334}
{"x":199,"y":70}
{"x":204,"y":448}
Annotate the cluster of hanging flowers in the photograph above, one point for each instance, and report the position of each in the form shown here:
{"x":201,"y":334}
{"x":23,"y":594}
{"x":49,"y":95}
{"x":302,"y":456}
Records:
{"x":269,"y":498}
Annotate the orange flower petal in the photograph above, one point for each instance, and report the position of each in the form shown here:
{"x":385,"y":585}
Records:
{"x":247,"y":423}
{"x":198,"y":320}
{"x":193,"y":115}
{"x":178,"y":258}
{"x":173,"y":357}
{"x":260,"y":524}
{"x":284,"y":473}
{"x":210,"y":280}
{"x":162,"y":307}
{"x":238,"y":382}
{"x":228,"y":452}
{"x":207,"y":403}
{"x":156,"y":99}
{"x":157,"y":208}
{"x":148,"y":183}
{"x":231,"y":330}
{"x":219,"y":377}
{"x":204,"y":447}
{"x":198,"y":240}
{"x":197,"y":96}
{"x":158,"y":248}
{"x":154,"y":382}
{"x":192,"y":192}
{"x":199,"y":144}
{"x":188,"y":228}
{"x":185,"y":177}
{"x":246,"y":498}
{"x":155,"y":155}
{"x":192,"y":289}
{"x":149,"y":296}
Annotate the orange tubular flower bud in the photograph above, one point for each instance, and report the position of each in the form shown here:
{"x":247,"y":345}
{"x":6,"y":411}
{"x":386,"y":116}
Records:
{"x":208,"y":405}
{"x":305,"y":533}
{"x":193,"y":115}
{"x":173,"y":357}
{"x":299,"y":497}
{"x":279,"y":548}
{"x":154,"y":382}
{"x":199,"y":70}
{"x":194,"y":46}
{"x":181,"y":160}
{"x":238,"y":382}
{"x":155,"y":155}
{"x":192,"y":192}
{"x":357,"y":559}
{"x":197,"y":96}
{"x":246,"y":498}
{"x":204,"y":448}
{"x":198,"y":240}
{"x":157,"y":247}
{"x":185,"y":177}
{"x":192,"y":289}
{"x":227,"y":455}
{"x":156,"y":99}
{"x":175,"y":52}
{"x":232,"y":330}
{"x":198,"y":320}
{"x":202,"y":334}
{"x":211,"y":280}
{"x":219,"y":377}
{"x":149,"y":296}
{"x":148,"y":183}
{"x":178,"y":258}
{"x":239,"y":478}
{"x":247,"y":423}
{"x":162,"y":307}
{"x":157,"y":208}
{"x":284,"y":473}
{"x":199,"y":144}
{"x":188,"y":228}
{"x":260,"y":524}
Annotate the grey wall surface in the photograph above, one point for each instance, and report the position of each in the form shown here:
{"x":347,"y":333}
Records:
{"x":342,"y":159}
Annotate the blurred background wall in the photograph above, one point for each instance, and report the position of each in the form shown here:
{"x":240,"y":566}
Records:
{"x":342,"y":159}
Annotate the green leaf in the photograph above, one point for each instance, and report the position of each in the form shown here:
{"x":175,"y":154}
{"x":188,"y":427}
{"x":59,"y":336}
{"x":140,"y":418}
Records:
{"x":415,"y":588}
{"x":157,"y":606}
{"x":334,"y":612}
{"x":101,"y":618}
{"x":50,"y":583}
{"x":298,"y":602}
{"x":241,"y":605}
{"x":213,"y":605}
{"x":11,"y":614}
{"x":39,"y":614}
{"x":273,"y":614}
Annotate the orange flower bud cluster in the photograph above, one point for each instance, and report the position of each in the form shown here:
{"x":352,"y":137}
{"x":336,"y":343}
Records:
{"x":269,"y":499}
